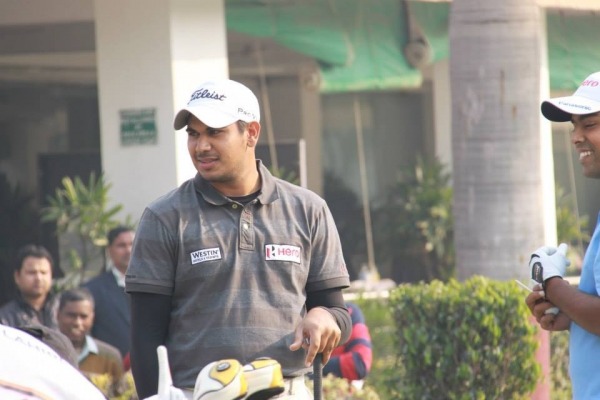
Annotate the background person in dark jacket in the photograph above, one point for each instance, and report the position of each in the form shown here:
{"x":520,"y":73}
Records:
{"x":34,"y":304}
{"x":113,"y":317}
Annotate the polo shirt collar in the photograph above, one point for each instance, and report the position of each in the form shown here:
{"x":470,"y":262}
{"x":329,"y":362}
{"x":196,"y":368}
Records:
{"x":268,"y":191}
{"x":89,"y":347}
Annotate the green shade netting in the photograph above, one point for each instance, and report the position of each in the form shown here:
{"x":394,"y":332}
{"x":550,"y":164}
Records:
{"x":359,"y":44}
{"x":573,"y":48}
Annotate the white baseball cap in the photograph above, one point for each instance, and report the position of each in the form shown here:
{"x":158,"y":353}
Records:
{"x":585,"y":100}
{"x":219,"y":103}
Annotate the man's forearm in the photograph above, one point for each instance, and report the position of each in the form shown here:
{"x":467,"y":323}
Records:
{"x":581,"y":307}
{"x":144,"y":368}
{"x":150,"y":315}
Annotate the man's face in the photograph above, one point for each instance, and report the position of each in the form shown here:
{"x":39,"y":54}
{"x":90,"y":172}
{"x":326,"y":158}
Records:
{"x":586,"y":139}
{"x":120,"y":250}
{"x":34,"y":279}
{"x":222,"y":156}
{"x":75,"y":320}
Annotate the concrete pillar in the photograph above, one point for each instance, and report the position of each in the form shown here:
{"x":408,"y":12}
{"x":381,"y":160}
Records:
{"x":150,"y":54}
{"x":442,"y":113}
{"x":547,"y":159}
{"x":310,"y":108}
{"x":543,"y":389}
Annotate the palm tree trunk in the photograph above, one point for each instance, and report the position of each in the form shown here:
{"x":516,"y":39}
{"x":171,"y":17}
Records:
{"x":496,"y":52}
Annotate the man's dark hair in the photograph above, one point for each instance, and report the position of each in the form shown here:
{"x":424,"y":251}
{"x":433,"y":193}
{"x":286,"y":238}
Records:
{"x":113,"y":233}
{"x":32,"y":250}
{"x":78,"y":294}
{"x":53,"y":338}
{"x":242,"y":125}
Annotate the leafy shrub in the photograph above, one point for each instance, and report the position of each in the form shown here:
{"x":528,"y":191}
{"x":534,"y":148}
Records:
{"x":571,"y":228}
{"x":81,"y":211}
{"x":415,"y":223}
{"x":124,"y":390}
{"x":335,"y":388}
{"x":470,"y":340}
{"x":384,"y":371}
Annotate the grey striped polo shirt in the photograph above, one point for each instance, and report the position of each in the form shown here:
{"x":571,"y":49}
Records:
{"x":238,"y":275}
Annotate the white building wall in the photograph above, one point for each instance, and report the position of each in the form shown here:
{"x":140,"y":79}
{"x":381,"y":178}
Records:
{"x":150,"y":54}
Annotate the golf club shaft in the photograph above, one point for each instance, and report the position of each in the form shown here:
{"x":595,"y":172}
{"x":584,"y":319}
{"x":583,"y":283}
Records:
{"x":318,"y":377}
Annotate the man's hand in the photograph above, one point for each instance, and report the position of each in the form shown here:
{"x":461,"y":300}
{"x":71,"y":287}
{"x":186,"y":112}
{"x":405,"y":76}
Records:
{"x":166,"y":390}
{"x":545,"y":313}
{"x":548,"y":262}
{"x":318,"y":333}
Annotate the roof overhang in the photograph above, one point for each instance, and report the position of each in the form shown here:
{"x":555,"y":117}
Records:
{"x":590,"y":5}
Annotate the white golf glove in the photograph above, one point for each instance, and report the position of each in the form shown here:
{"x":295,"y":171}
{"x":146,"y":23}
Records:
{"x":548,"y":262}
{"x":166,"y":390}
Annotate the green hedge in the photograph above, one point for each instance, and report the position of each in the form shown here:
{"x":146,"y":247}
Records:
{"x":470,"y":340}
{"x":384,"y":373}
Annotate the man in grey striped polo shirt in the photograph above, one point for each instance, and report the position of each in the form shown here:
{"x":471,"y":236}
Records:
{"x":234,"y":263}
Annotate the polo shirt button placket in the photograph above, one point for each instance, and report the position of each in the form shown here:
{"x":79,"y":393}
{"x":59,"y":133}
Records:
{"x":246,"y":233}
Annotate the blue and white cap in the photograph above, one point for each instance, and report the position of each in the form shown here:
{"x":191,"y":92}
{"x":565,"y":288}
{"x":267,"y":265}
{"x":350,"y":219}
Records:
{"x":585,"y":100}
{"x":219,"y":103}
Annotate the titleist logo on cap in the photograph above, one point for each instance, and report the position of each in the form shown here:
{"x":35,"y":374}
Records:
{"x":206,"y":94}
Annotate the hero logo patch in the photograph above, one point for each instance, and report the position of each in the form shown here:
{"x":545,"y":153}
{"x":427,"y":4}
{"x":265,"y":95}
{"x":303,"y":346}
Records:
{"x":282,"y":252}
{"x":203,"y":255}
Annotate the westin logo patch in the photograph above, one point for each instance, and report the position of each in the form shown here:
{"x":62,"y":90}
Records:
{"x":203,"y":255}
{"x":282,"y":252}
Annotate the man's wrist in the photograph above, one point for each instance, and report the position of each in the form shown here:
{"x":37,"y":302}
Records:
{"x":343,"y":321}
{"x":552,"y":282}
{"x":330,"y":313}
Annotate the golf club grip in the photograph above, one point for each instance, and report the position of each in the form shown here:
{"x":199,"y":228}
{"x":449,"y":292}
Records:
{"x":318,"y":377}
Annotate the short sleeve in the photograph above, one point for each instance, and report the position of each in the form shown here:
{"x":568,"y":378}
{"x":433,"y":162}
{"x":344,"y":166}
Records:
{"x":154,"y":257}
{"x":327,"y":265}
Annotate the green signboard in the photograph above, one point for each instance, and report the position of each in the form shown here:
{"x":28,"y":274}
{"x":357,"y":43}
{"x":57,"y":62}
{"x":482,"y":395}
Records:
{"x":138,"y":126}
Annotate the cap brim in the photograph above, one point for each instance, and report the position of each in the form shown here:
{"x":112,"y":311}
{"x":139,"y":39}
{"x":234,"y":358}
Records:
{"x":181,"y":119}
{"x":561,"y":109}
{"x":208,"y":116}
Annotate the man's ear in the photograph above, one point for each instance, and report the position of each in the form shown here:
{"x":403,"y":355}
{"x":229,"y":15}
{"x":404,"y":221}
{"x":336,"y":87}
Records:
{"x":253,"y":129}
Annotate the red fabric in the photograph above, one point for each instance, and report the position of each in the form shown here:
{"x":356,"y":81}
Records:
{"x":353,"y":359}
{"x":126,"y":362}
{"x":355,"y":347}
